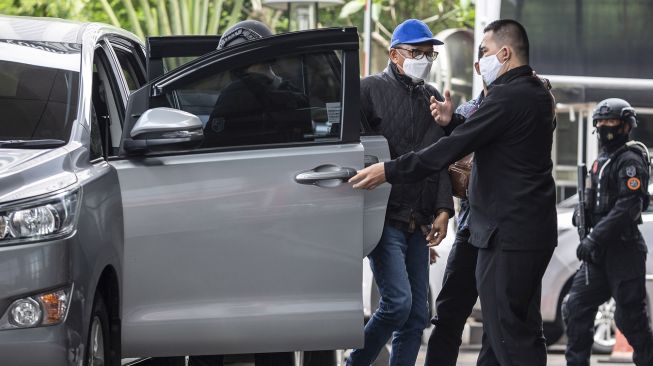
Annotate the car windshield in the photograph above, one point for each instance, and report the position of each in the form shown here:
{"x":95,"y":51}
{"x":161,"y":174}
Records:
{"x":38,"y":92}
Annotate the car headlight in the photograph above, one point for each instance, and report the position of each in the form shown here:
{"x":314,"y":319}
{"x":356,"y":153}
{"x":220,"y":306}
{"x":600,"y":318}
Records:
{"x":41,"y":219}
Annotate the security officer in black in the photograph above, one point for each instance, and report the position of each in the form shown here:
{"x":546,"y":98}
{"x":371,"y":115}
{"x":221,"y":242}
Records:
{"x":614,"y":252}
{"x":511,"y":192}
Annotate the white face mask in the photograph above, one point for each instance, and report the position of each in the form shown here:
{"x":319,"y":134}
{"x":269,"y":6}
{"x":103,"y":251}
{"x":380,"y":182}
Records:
{"x":489,"y":67}
{"x":418,"y":69}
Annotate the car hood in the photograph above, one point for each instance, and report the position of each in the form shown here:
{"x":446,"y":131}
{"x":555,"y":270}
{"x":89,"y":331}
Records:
{"x":28,"y":173}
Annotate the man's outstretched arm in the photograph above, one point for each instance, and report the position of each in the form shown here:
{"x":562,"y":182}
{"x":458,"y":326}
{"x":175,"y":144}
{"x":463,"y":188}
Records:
{"x":481,"y":128}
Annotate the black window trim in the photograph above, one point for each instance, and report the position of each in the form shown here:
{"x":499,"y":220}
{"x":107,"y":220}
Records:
{"x":111,"y":62}
{"x":213,"y":150}
{"x":128,"y":46}
{"x":108,"y":60}
{"x":160,"y":47}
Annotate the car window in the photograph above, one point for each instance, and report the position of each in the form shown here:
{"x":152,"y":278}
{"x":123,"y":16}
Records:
{"x":96,"y":136}
{"x":38,"y":89}
{"x":280,"y":100}
{"x":108,"y":108}
{"x":129,"y":64}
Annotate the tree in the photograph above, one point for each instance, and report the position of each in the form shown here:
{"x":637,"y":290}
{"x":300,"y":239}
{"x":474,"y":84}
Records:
{"x":387,"y":14}
{"x":151,"y":17}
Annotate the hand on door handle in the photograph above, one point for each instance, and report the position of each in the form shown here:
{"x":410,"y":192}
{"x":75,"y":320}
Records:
{"x":314,"y":177}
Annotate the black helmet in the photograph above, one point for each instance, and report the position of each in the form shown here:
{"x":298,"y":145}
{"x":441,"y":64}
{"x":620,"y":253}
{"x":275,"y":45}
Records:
{"x":615,"y":108}
{"x":247,"y":30}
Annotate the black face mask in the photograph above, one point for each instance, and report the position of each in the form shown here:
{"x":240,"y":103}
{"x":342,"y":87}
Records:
{"x":611,"y":136}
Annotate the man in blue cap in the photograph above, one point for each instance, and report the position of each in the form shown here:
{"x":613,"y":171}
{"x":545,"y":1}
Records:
{"x":396,"y":104}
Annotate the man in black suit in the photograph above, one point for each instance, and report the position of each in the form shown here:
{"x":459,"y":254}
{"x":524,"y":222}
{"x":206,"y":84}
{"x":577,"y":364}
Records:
{"x":511,"y":193}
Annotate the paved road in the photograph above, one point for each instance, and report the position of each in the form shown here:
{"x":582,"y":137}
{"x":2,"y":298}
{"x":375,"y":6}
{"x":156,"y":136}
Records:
{"x":467,"y":357}
{"x":556,"y":357}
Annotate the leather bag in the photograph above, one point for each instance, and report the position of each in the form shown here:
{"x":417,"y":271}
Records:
{"x":459,"y":173}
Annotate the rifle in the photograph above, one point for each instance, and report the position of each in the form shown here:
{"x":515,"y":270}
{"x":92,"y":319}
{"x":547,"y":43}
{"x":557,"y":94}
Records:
{"x":580,"y":219}
{"x":582,"y":211}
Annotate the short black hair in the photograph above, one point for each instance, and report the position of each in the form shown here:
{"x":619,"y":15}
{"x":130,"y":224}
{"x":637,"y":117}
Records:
{"x":509,"y":31}
{"x":480,"y":53}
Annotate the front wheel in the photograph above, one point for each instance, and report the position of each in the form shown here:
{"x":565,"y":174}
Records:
{"x":321,"y":358}
{"x":98,"y":345}
{"x":605,"y":328}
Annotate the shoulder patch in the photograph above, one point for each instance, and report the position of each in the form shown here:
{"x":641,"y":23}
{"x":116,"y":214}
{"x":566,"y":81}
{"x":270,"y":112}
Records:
{"x":631,"y":171}
{"x":633,"y":184}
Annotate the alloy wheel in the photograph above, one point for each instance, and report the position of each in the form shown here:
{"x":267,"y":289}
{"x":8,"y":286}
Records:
{"x":605,"y":326}
{"x":96,"y":354}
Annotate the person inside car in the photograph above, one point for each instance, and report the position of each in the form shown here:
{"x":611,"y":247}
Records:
{"x":257,"y":106}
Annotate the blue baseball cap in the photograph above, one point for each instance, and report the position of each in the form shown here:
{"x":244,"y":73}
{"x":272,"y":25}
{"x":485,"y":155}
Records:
{"x":413,"y":31}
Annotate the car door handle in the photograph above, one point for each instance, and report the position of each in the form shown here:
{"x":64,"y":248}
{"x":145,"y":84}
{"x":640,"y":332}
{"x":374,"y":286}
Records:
{"x":323,"y":173}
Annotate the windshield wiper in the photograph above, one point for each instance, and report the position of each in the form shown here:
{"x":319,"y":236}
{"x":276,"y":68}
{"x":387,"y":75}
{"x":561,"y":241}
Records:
{"x":31,"y":144}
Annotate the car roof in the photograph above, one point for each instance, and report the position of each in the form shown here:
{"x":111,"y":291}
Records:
{"x":53,"y":29}
{"x":41,"y":29}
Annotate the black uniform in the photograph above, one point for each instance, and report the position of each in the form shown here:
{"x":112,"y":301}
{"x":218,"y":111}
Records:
{"x":616,"y":197}
{"x":513,"y":214}
{"x":458,"y":295}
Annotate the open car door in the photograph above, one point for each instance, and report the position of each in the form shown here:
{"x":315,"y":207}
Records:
{"x":166,"y":53}
{"x":242,"y":234}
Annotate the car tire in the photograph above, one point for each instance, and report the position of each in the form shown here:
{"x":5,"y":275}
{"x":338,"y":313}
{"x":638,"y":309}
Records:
{"x":98,"y":343}
{"x":554,"y":330}
{"x":165,"y":361}
{"x":604,"y":327}
{"x":320,"y":358}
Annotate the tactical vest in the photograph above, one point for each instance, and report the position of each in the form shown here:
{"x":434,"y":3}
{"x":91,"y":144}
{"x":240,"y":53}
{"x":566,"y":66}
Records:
{"x":603,"y":188}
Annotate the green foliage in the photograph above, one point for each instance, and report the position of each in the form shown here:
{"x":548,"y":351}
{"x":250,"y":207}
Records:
{"x":166,"y":17}
{"x":387,"y":14}
{"x":69,"y":9}
{"x":172,"y":17}
{"x":144,"y":17}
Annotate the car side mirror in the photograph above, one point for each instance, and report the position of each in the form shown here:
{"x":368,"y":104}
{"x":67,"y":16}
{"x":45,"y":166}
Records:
{"x":160,"y":129}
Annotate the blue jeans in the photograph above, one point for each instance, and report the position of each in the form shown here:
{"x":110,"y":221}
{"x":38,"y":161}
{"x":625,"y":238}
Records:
{"x":400,"y":264}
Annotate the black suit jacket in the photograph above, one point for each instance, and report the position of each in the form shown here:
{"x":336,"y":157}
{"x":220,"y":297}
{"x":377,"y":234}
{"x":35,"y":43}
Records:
{"x":512,"y":192}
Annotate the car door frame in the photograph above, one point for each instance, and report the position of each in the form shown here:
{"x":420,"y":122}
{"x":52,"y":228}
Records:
{"x":160,"y":47}
{"x":344,"y":40}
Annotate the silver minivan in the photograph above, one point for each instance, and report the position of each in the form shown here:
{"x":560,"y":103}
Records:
{"x":149,"y":209}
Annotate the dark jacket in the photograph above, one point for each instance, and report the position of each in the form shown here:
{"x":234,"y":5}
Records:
{"x":512,"y":192}
{"x":258,"y":109}
{"x":398,"y":108}
{"x":615,"y":202}
{"x":617,"y":199}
